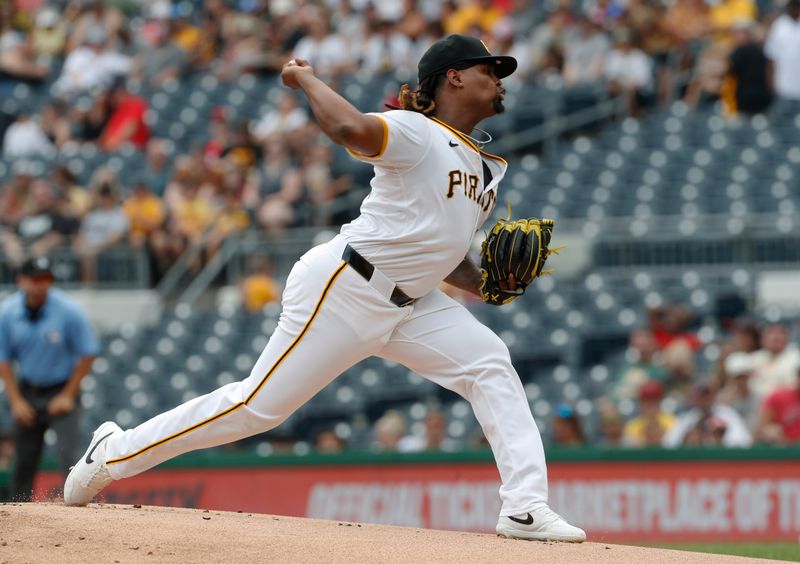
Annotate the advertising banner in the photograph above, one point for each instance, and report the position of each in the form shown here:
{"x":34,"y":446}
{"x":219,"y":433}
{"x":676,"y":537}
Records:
{"x":614,"y":501}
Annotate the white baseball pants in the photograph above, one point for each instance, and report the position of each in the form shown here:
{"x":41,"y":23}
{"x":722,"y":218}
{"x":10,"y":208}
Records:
{"x":332,"y":318}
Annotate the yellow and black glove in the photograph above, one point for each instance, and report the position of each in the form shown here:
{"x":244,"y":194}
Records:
{"x":517,"y":247}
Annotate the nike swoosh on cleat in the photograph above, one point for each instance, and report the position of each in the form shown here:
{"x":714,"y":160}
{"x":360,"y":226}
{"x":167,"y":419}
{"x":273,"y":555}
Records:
{"x":452,"y":144}
{"x":97,"y":444}
{"x":527,"y":521}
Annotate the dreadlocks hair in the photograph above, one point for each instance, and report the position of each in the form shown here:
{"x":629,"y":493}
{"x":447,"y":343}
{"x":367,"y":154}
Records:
{"x":421,"y":100}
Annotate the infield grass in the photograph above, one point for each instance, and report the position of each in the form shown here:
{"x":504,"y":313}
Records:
{"x":774,"y":551}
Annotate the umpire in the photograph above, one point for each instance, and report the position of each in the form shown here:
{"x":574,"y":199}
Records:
{"x":46,"y":348}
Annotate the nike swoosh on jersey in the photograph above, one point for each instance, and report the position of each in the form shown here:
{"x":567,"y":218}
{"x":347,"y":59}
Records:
{"x":452,"y":144}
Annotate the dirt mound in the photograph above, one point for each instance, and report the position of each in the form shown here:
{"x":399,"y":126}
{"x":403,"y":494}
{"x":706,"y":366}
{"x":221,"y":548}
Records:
{"x":49,"y":532}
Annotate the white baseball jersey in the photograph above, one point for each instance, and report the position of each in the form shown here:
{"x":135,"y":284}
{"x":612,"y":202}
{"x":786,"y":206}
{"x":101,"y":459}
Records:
{"x":430,"y":194}
{"x":432,"y":190}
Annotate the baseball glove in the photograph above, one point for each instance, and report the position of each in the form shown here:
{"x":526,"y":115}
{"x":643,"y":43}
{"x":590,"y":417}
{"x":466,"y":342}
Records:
{"x":517,"y":247}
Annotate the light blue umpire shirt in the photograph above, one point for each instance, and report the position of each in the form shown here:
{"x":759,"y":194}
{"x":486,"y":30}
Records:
{"x":47,"y":349}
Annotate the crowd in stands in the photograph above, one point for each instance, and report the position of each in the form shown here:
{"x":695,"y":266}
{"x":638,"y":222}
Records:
{"x":750,"y":394}
{"x":97,"y":58}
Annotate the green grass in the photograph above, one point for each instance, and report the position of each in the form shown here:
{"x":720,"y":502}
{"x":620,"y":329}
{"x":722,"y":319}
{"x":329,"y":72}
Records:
{"x":775,"y":551}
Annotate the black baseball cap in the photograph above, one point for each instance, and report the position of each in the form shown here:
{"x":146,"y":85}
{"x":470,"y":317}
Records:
{"x":455,"y":51}
{"x":36,"y":267}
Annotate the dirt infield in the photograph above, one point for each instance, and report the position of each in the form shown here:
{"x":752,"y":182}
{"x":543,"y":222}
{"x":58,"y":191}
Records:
{"x":48,"y":532}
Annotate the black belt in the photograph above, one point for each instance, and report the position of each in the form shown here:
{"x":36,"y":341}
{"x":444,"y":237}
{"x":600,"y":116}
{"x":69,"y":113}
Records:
{"x":365,"y":269}
{"x":25,"y":385}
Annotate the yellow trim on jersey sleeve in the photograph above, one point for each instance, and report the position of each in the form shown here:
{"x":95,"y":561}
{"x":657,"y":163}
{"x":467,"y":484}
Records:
{"x":383,"y":143}
{"x":467,"y":141}
{"x":254,"y":392}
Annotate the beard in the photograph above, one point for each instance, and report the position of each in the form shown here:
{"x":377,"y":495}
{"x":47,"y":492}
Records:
{"x":498,"y":106}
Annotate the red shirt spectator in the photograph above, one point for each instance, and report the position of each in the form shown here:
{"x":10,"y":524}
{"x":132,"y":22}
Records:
{"x":126,"y":123}
{"x":782,"y":408}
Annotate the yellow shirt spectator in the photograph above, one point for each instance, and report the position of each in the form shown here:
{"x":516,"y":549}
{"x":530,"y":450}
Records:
{"x":637,"y":432}
{"x":145,"y":212}
{"x":726,"y":14}
{"x":480,"y":13}
{"x":258,"y":290}
{"x":193,"y":215}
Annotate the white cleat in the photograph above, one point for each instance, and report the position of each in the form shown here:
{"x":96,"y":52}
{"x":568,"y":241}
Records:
{"x":90,"y":475}
{"x":540,"y":524}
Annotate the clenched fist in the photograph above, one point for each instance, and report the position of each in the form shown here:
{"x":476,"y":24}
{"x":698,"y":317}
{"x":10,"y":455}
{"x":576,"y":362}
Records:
{"x":293,"y":71}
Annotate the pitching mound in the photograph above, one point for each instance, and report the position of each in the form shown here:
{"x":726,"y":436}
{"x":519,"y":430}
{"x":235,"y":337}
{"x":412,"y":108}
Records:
{"x":48,"y":532}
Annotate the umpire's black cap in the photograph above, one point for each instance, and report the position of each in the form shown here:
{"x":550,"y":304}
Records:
{"x":461,"y":51}
{"x":37,"y":267}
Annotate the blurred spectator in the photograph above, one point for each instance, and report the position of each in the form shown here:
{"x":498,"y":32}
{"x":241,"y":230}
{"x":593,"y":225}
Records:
{"x":126,"y":123}
{"x":644,"y":365}
{"x":645,"y":19}
{"x":413,"y":23}
{"x":648,"y":428}
{"x":727,"y":14}
{"x":90,"y":116}
{"x":782,"y":47}
{"x":87,"y":16}
{"x":18,"y":58}
{"x":388,"y":430}
{"x":321,"y":186}
{"x":567,"y":428}
{"x":434,"y":438}
{"x":191,"y":217}
{"x":145,"y":212}
{"x":55,"y":123}
{"x":472,"y":16}
{"x":25,"y":138}
{"x":746,"y":89}
{"x":77,"y":198}
{"x":712,"y":63}
{"x":160,"y":59}
{"x":284,"y":118}
{"x":49,"y":36}
{"x":327,"y":442}
{"x":779,"y":420}
{"x":545,"y":48}
{"x":629,"y":72}
{"x":679,"y":361}
{"x":242,"y":150}
{"x":45,"y":226}
{"x":774,"y":364}
{"x":231,"y":219}
{"x":13,"y":200}
{"x":669,"y":323}
{"x":702,"y":423}
{"x":612,"y":425}
{"x":326,"y":51}
{"x":103,"y":227}
{"x":687,"y":21}
{"x":260,"y":288}
{"x":584,"y":54}
{"x":745,"y":336}
{"x":220,"y":133}
{"x":281,"y":188}
{"x":156,"y":170}
{"x":243,"y":50}
{"x":387,"y":52}
{"x":736,"y":391}
{"x":91,"y":65}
